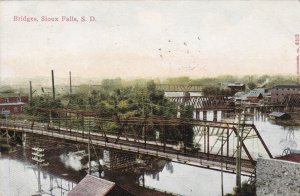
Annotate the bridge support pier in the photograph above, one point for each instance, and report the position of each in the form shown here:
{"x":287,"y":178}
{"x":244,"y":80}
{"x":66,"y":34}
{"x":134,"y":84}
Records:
{"x":198,"y":115}
{"x":204,"y":115}
{"x":24,"y":142}
{"x":215,"y":115}
{"x":117,"y":160}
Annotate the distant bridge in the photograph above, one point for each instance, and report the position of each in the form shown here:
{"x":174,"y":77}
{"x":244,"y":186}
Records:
{"x":179,"y":87}
{"x":205,"y":102}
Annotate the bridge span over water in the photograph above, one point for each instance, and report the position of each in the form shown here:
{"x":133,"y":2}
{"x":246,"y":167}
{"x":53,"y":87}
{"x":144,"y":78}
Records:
{"x":215,"y":142}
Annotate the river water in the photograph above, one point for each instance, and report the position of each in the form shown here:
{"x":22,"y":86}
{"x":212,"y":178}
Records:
{"x":19,"y":176}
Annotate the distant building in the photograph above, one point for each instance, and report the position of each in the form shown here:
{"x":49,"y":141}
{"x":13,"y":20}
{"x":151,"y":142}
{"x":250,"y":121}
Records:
{"x":279,"y":115}
{"x":12,"y":104}
{"x":278,"y":92}
{"x":254,"y":96}
{"x":234,"y":86}
{"x":263,"y":91}
{"x":91,"y":185}
{"x":240,"y":97}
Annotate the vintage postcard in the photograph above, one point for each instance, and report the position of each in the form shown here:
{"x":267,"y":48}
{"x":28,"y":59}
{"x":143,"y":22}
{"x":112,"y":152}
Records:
{"x":149,"y":98}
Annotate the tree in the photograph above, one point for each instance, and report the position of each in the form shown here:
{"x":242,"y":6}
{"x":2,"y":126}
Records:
{"x":188,"y":132}
{"x":211,"y":91}
{"x":247,"y":189}
{"x":251,"y":85}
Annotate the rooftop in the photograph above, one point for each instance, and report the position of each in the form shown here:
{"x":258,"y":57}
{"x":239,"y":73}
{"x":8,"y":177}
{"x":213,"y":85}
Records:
{"x":13,"y":95}
{"x":12,"y":103}
{"x":91,"y":185}
{"x":254,"y":94}
{"x":239,"y":94}
{"x":233,"y":84}
{"x":277,"y":114}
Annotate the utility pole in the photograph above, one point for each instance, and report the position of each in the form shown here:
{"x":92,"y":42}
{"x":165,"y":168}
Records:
{"x":143,"y":134}
{"x":30,"y":93}
{"x":89,"y":151}
{"x":70,"y":83}
{"x":222,"y":184}
{"x":38,"y":155}
{"x":240,"y":139}
{"x":142,"y":92}
{"x":238,"y":155}
{"x":297,"y":42}
{"x":53,"y":88}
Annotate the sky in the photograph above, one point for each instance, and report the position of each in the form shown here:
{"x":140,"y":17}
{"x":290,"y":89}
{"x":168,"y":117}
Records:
{"x":149,"y":38}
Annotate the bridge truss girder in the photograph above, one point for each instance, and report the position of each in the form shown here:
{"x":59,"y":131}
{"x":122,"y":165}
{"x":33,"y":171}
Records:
{"x":214,"y":139}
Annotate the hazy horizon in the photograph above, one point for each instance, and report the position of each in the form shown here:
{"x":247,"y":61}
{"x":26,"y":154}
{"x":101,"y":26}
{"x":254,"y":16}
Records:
{"x":64,"y":81}
{"x":152,"y":39}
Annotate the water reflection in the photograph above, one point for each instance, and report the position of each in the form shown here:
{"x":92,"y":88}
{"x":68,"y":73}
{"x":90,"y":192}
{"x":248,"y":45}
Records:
{"x":186,"y":180}
{"x":73,"y":160}
{"x":18,"y":178}
{"x":289,"y":141}
{"x":277,"y":137}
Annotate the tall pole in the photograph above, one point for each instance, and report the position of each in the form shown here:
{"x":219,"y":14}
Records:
{"x":297,"y":43}
{"x":238,"y":158}
{"x":39,"y":181}
{"x":30,"y":93}
{"x":53,"y":88}
{"x":89,"y":151}
{"x":298,"y":66}
{"x":70,"y":83}
{"x":222,"y":184}
{"x":143,"y":131}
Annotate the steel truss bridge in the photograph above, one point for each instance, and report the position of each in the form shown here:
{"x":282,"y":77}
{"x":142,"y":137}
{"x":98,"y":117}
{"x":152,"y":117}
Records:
{"x":215,"y":142}
{"x":205,"y":102}
{"x":179,"y":87}
{"x":225,"y":103}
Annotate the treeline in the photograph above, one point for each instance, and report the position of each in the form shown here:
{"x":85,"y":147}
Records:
{"x":252,"y":81}
{"x":117,"y":103}
{"x":259,"y":80}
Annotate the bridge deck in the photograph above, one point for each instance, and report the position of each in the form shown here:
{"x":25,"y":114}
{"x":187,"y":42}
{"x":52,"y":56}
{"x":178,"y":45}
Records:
{"x":151,"y":148}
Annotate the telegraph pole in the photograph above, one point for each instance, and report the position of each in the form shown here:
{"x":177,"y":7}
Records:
{"x":143,"y":134}
{"x":297,"y":43}
{"x":239,"y":149}
{"x":70,"y":82}
{"x":38,"y":158}
{"x":30,"y":93}
{"x":238,"y":156}
{"x":222,"y":184}
{"x":53,"y":88}
{"x":142,"y":92}
{"x":89,"y":151}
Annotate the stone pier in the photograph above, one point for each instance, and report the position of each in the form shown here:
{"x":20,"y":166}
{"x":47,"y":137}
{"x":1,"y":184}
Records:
{"x":277,"y":177}
{"x":215,"y":117}
{"x":204,"y":115}
{"x":116,"y":160}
